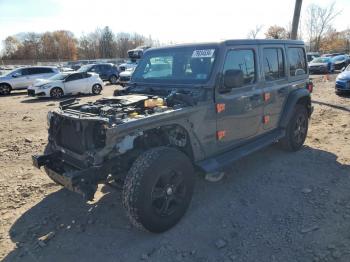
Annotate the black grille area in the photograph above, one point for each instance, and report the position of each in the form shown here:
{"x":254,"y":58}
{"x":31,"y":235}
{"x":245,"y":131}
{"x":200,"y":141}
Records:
{"x":31,"y":92}
{"x":78,"y":135}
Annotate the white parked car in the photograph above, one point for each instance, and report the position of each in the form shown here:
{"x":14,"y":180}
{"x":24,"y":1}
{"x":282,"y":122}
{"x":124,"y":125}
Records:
{"x":67,"y":84}
{"x":21,"y":78}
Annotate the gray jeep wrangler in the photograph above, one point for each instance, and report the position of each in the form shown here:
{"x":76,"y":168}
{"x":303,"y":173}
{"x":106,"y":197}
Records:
{"x":188,"y":108}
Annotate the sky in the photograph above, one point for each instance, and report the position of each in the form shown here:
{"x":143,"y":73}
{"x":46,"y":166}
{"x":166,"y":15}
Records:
{"x":176,"y":21}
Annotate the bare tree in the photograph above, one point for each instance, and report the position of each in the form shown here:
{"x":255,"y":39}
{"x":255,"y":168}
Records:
{"x":254,"y":32}
{"x":317,"y":21}
{"x":277,"y":32}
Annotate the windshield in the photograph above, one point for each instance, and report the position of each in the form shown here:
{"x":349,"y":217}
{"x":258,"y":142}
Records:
{"x":321,"y":60}
{"x":11,"y":72}
{"x":85,"y":68}
{"x":186,"y":65}
{"x":58,"y":77}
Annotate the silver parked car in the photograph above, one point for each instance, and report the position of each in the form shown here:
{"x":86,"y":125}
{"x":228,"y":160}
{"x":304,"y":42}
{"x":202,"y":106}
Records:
{"x":21,"y":78}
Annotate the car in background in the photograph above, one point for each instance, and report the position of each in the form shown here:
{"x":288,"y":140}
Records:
{"x":323,"y":65}
{"x":341,"y":61}
{"x":342,"y":83}
{"x":21,"y":78}
{"x":332,"y":54}
{"x":312,"y":55}
{"x":67,"y":84}
{"x":134,"y":56}
{"x":106,"y":71}
{"x":137,"y":53}
{"x":125,"y":76}
{"x":129,"y":64}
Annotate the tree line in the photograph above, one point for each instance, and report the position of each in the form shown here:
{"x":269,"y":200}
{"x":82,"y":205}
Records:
{"x":316,"y":28}
{"x":63,"y":45}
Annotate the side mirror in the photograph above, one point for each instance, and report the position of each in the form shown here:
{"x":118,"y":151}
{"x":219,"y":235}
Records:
{"x":232,"y":79}
{"x":15,"y":75}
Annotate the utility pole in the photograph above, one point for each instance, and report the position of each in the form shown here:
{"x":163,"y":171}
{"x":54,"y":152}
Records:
{"x":296,"y":18}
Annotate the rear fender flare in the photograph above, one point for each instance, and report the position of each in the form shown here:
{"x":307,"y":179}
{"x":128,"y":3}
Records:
{"x":296,"y":97}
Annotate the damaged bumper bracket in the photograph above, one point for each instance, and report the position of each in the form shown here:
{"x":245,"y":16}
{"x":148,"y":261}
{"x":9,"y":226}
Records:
{"x":82,"y":181}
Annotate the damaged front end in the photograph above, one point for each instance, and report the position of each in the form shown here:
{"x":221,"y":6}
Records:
{"x":85,"y":145}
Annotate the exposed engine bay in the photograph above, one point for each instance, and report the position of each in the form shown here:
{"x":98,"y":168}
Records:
{"x":124,"y":108}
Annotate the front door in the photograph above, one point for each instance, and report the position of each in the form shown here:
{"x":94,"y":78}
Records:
{"x":74,"y":83}
{"x":239,"y":111}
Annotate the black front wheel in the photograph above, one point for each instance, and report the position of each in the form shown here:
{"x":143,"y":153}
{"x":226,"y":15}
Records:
{"x":5,"y":89}
{"x":113,"y":79}
{"x":96,"y":89}
{"x":56,"y":92}
{"x":158,"y":189}
{"x":297,"y":128}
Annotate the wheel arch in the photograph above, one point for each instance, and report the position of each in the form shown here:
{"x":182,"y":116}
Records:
{"x":300,"y":97}
{"x":6,"y":83}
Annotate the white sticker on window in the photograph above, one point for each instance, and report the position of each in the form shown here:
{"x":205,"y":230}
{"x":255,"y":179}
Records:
{"x":203,"y":53}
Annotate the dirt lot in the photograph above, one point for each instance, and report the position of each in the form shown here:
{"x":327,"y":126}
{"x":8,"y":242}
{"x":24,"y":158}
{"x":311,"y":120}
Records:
{"x":271,"y":206}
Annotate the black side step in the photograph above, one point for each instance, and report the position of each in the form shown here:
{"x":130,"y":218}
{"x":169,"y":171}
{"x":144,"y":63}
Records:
{"x":221,"y":161}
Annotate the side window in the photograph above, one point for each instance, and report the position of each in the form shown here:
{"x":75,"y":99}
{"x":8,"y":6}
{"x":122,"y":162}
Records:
{"x":46,"y":70}
{"x":297,"y":61}
{"x":243,"y":63}
{"x":74,"y":77}
{"x":273,"y":64}
{"x":32,"y":71}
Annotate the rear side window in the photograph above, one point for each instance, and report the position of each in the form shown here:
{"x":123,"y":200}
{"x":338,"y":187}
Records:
{"x":242,"y":60}
{"x":273,"y":64}
{"x":297,"y":61}
{"x":39,"y":70}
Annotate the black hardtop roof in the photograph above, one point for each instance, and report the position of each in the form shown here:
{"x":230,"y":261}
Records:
{"x":234,"y":42}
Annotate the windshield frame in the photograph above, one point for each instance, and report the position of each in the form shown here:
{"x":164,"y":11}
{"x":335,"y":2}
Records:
{"x":168,"y":52}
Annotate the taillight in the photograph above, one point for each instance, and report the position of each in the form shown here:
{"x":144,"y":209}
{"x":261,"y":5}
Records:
{"x":310,"y":86}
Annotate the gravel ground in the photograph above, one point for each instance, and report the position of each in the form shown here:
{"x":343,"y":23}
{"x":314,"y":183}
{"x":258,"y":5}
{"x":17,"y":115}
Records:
{"x":271,"y":206}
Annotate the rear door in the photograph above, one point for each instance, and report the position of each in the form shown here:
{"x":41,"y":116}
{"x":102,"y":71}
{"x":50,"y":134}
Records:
{"x":104,"y":71}
{"x":20,"y":79}
{"x":275,"y":83}
{"x":239,"y":111}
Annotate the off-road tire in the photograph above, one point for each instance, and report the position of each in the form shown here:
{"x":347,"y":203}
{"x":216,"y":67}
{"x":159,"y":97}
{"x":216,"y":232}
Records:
{"x":5,"y":89}
{"x":96,"y":89}
{"x":56,"y":92}
{"x":142,"y":179}
{"x":113,"y":79}
{"x":293,"y":140}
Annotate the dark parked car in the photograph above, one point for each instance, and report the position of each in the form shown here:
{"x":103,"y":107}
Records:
{"x":342,"y":83}
{"x":187,"y":107}
{"x":321,"y":65}
{"x":341,"y":61}
{"x":106,"y":71}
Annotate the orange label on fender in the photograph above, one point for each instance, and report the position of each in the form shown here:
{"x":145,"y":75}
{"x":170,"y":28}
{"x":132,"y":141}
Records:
{"x":267,"y":96}
{"x":220,"y":108}
{"x":220,"y":134}
{"x":266,"y":119}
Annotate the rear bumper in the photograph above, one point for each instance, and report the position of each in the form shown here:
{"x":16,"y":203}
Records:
{"x":82,"y":181}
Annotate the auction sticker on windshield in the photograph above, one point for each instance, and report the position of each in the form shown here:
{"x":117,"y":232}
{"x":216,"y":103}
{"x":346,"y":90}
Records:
{"x":203,"y":53}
